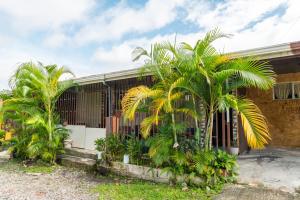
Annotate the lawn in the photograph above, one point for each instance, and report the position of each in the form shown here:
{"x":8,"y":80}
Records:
{"x":141,"y":190}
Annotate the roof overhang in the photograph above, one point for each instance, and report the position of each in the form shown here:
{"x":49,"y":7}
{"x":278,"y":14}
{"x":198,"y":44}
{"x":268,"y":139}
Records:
{"x":265,"y":53}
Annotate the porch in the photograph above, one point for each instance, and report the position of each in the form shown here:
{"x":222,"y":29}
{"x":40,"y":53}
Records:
{"x":93,"y":110}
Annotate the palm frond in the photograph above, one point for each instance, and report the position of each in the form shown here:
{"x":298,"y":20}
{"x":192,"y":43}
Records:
{"x":146,"y":125}
{"x":137,"y":53}
{"x":134,"y":97}
{"x":254,"y":124}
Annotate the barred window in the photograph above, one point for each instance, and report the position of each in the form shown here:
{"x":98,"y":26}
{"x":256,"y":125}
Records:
{"x":286,"y":91}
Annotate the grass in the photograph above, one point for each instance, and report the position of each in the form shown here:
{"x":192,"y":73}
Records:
{"x":18,"y":166}
{"x":141,"y":190}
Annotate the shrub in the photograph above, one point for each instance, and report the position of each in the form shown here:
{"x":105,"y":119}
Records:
{"x":215,"y":166}
{"x":137,"y":151}
{"x":100,"y":144}
{"x":113,"y":146}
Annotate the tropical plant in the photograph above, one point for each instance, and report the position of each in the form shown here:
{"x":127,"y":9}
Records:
{"x":135,"y":149}
{"x":214,"y":166}
{"x":209,"y":78}
{"x":35,"y":89}
{"x":113,"y":145}
{"x":100,"y":144}
{"x":163,"y":106}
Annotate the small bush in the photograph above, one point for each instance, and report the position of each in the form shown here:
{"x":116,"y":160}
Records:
{"x":113,"y":147}
{"x":215,"y":166}
{"x":137,"y":151}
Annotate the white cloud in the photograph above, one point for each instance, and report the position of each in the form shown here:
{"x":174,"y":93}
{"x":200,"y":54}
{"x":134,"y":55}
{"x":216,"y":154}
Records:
{"x":50,"y":14}
{"x":118,"y":57}
{"x":56,"y":39}
{"x":56,"y":16}
{"x":122,"y":19}
{"x":231,"y":15}
{"x":14,"y":54}
{"x":272,"y":30}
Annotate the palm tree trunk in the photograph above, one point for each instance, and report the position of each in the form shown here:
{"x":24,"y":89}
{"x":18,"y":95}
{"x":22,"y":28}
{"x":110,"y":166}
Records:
{"x":174,"y":131}
{"x":209,"y":129}
{"x":198,"y":133}
{"x":50,"y":123}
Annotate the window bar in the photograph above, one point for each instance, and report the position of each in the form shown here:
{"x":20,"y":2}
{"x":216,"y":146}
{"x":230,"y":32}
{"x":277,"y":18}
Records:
{"x":293,"y":90}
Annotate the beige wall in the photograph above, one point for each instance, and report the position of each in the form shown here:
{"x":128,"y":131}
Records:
{"x":283,"y":115}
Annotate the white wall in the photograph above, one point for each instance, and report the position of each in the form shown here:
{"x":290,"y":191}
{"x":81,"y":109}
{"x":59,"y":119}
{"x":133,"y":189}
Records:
{"x":92,"y":134}
{"x":83,"y":137}
{"x":77,"y":134}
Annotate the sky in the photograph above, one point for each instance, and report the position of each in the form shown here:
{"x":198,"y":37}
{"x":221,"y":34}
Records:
{"x":98,"y":36}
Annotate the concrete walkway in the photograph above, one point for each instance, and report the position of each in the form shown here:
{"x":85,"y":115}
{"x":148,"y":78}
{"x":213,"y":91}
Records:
{"x":272,"y":168}
{"x":245,"y":192}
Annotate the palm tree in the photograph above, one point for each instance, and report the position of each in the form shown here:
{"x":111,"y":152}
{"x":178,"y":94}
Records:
{"x":159,"y":63}
{"x":209,"y":78}
{"x":212,"y":77}
{"x":35,"y":91}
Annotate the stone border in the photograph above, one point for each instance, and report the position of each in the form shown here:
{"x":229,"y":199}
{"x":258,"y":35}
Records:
{"x":144,"y":173}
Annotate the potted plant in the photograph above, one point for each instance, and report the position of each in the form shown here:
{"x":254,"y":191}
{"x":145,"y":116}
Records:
{"x":100,"y":147}
{"x":234,"y":149}
{"x":126,"y":158}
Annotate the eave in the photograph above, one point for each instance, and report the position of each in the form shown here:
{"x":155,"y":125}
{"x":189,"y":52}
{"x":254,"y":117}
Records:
{"x":270,"y":52}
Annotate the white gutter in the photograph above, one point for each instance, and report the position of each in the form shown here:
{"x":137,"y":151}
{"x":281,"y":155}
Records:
{"x":270,"y":52}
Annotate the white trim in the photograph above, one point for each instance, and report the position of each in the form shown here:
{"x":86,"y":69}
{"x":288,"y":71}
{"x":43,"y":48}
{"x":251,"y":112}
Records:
{"x":274,"y":51}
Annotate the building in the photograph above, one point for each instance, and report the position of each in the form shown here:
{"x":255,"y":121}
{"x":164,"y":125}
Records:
{"x":94,"y":108}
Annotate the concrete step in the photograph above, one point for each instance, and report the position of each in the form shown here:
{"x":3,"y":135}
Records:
{"x":82,"y":153}
{"x":78,"y":162}
{"x":5,"y":155}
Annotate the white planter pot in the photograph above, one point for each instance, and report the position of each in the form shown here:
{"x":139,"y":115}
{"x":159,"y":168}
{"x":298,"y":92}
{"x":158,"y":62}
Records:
{"x":99,"y":155}
{"x":68,"y":143}
{"x":126,"y":159}
{"x":234,"y":150}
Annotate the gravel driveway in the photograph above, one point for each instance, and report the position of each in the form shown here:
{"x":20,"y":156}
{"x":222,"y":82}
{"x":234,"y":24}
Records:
{"x":71,"y":184}
{"x":63,"y":184}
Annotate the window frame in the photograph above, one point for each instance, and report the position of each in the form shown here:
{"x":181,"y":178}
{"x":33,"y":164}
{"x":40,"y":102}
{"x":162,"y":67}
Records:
{"x":293,"y":90}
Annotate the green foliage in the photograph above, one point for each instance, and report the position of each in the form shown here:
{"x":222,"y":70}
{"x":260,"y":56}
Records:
{"x":114,"y":147}
{"x":35,"y":89}
{"x":2,"y":134}
{"x":215,"y":166}
{"x":100,"y":144}
{"x":160,"y":147}
{"x":136,"y":150}
{"x":208,"y":78}
{"x":137,"y":190}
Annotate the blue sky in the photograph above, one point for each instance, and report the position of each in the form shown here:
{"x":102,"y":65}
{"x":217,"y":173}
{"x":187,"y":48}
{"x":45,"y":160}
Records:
{"x":97,"y":36}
